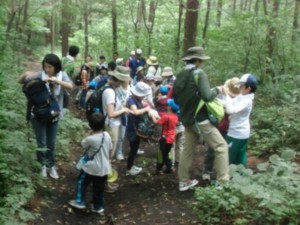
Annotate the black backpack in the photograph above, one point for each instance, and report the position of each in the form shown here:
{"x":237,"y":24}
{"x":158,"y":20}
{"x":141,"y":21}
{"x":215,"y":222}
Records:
{"x":94,"y":102}
{"x":40,"y":102}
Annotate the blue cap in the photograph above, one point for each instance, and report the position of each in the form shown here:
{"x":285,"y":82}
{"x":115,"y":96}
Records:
{"x":164,"y":90}
{"x":93,"y":84}
{"x":248,"y":79}
{"x":173,"y":105}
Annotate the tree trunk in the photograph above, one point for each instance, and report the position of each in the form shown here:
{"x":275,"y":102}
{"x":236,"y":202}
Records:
{"x":53,"y":36}
{"x":295,"y":21}
{"x":206,"y":23}
{"x":234,"y":5}
{"x":190,"y":24}
{"x":114,"y":26}
{"x":65,"y":30}
{"x":265,"y":7}
{"x":86,"y":31}
{"x":256,"y":7}
{"x":219,"y":12}
{"x":178,"y":41}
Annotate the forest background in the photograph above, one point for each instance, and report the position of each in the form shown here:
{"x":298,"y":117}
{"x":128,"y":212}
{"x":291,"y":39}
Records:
{"x":241,"y":36}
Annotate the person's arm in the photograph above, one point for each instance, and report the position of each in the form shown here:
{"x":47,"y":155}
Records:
{"x":135,"y":111}
{"x":232,"y":107}
{"x":111,"y":113}
{"x":26,"y":75}
{"x":206,"y":93}
{"x":65,"y":84}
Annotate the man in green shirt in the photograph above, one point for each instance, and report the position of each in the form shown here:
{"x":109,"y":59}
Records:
{"x":187,"y":94}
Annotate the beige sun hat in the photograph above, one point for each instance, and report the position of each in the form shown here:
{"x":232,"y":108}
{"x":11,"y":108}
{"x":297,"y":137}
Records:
{"x":140,"y":68}
{"x":121,"y":73}
{"x":152,"y":61}
{"x":231,"y":86}
{"x":195,"y":53}
{"x":167,"y":71}
{"x":141,"y":89}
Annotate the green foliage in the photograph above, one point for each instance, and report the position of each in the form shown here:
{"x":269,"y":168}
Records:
{"x":19,"y":169}
{"x":268,"y":197}
{"x":275,"y":121}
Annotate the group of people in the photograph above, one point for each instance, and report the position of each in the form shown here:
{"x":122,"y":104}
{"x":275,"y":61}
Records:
{"x":138,"y":88}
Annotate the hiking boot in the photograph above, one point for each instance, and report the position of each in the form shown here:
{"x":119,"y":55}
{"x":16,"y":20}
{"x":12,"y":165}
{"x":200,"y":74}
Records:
{"x":133,"y":171}
{"x":183,"y":186}
{"x":140,"y":152}
{"x":120,"y":157}
{"x":44,"y":171}
{"x":99,"y":210}
{"x":76,"y":205}
{"x":53,"y":173}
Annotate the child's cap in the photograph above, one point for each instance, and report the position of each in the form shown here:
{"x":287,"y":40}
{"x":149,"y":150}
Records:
{"x":93,"y":84}
{"x":173,"y":105}
{"x":248,"y":79}
{"x":164,"y":90}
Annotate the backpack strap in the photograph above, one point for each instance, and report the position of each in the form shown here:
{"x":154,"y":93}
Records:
{"x":201,"y":103}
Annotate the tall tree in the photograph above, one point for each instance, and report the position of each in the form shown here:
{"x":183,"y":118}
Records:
{"x":190,"y":24}
{"x":86,"y":30}
{"x":114,"y":26}
{"x":206,"y":23}
{"x":219,"y":12}
{"x":149,"y":23}
{"x":65,"y":29}
{"x":178,"y":41}
{"x":295,"y":21}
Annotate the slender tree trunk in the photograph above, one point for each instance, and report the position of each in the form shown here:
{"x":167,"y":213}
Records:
{"x":256,"y":7}
{"x":219,"y":13}
{"x":206,"y":23}
{"x":190,"y":24}
{"x":178,"y":41}
{"x":114,"y":26}
{"x":295,"y":21}
{"x":265,"y":7}
{"x":234,"y":5}
{"x":65,"y":29}
{"x":53,"y":36}
{"x":86,"y":31}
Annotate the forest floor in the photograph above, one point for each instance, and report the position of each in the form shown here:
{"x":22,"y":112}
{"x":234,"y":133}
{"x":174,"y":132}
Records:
{"x":145,"y":199}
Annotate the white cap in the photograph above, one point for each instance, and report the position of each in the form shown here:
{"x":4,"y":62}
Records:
{"x":132,"y":52}
{"x":139,"y":51}
{"x":119,"y":60}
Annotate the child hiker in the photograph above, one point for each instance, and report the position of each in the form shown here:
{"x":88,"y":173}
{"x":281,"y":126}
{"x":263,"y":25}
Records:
{"x":98,"y":146}
{"x":168,"y":121}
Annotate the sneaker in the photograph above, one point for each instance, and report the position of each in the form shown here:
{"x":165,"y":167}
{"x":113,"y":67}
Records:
{"x":133,"y":171}
{"x":140,"y":152}
{"x":111,"y":188}
{"x":76,"y":205}
{"x":206,"y":177}
{"x":138,"y":168}
{"x":99,"y":210}
{"x":169,"y":170}
{"x":53,"y":173}
{"x":120,"y":157}
{"x":44,"y":171}
{"x":183,"y":186}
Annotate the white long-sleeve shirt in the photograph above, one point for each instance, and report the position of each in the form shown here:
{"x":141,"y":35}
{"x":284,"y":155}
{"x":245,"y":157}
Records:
{"x":239,"y":109}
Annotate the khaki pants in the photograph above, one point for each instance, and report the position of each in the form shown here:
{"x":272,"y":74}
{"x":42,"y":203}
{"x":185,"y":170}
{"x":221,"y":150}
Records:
{"x":214,"y":140}
{"x":114,"y":135}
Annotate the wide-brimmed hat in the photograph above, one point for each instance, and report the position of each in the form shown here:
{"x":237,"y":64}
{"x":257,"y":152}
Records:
{"x":231,"y":86}
{"x":140,"y":68}
{"x":195,"y":53}
{"x":150,"y":76}
{"x":248,"y":79}
{"x":121,"y":73}
{"x":167,"y":71}
{"x":173,"y":105}
{"x":119,"y":60}
{"x":152,"y":61}
{"x":112,"y":176}
{"x":141,"y":89}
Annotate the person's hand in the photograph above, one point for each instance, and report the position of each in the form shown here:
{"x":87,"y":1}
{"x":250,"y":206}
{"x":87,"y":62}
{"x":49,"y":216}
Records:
{"x":127,"y":111}
{"x":221,"y":89}
{"x":147,"y":108}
